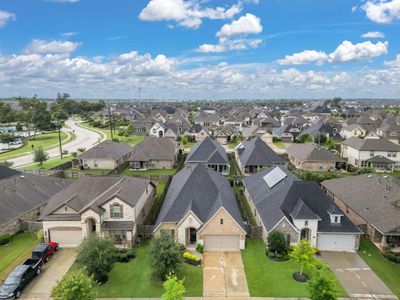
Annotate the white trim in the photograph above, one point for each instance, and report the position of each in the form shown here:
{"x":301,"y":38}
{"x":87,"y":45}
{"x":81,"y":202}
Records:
{"x":184,"y":217}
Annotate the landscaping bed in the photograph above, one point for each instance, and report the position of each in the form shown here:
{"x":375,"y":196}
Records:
{"x":267,"y":278}
{"x":134,"y":278}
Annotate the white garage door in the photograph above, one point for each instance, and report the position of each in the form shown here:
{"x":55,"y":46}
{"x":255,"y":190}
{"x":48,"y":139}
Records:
{"x":222,"y":242}
{"x":70,"y":237}
{"x":336,"y":242}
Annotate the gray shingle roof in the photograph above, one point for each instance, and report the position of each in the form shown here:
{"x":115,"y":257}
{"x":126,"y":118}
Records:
{"x":7,"y":172}
{"x":371,"y":144}
{"x":207,"y":151}
{"x":91,"y":192}
{"x":107,"y":150}
{"x":201,"y":190}
{"x":292,"y":198}
{"x":372,"y":197}
{"x":22,"y":193}
{"x":256,"y":153}
{"x":312,"y":152}
{"x":154,"y":148}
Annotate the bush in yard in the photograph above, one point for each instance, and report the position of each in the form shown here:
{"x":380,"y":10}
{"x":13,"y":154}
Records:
{"x":97,"y":255}
{"x":304,"y":255}
{"x":75,"y":285}
{"x":4,"y":239}
{"x":165,"y":255}
{"x":40,"y":236}
{"x":200,"y":248}
{"x":277,"y":243}
{"x":321,"y":286}
{"x":174,"y":289}
{"x":125,"y":255}
{"x":191,"y":256}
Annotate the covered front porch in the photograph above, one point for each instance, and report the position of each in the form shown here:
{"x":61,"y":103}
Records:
{"x":122,"y":232}
{"x":222,"y":169}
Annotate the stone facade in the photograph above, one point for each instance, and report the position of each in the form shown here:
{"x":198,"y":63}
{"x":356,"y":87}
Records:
{"x":17,"y":224}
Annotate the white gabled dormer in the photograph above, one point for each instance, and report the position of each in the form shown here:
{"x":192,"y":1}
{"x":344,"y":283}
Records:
{"x":335,"y":214}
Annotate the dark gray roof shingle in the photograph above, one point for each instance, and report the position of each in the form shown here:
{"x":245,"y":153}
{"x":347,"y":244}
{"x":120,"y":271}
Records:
{"x":207,"y":151}
{"x":154,"y":148}
{"x":107,"y":150}
{"x":255,"y":152}
{"x":312,"y":152}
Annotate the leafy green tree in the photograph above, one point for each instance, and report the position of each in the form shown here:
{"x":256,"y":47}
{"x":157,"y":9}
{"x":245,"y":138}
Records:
{"x":40,"y":236}
{"x":165,"y":255}
{"x":174,"y":289}
{"x":304,"y":255}
{"x":7,"y":115}
{"x":6,"y":163}
{"x":276,"y":242}
{"x":321,"y":286}
{"x":7,"y":139}
{"x":97,"y":255}
{"x":40,"y":156}
{"x":305,"y":138}
{"x":75,"y":285}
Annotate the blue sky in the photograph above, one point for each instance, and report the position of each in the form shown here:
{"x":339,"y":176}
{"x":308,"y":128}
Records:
{"x":200,"y":49}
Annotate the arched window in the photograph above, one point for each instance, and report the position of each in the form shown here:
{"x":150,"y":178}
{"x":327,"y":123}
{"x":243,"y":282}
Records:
{"x":116,"y":211}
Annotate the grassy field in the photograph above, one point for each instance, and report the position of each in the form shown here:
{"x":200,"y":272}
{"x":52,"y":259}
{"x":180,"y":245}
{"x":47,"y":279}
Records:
{"x":47,"y":165}
{"x":149,"y":172}
{"x":131,"y":140}
{"x":45,"y":141}
{"x":16,"y":252}
{"x":90,"y":171}
{"x":134,"y":279}
{"x":388,"y":271}
{"x":267,"y":278}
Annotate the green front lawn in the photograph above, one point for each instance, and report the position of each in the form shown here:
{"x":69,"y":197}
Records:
{"x":134,"y":279}
{"x":388,"y":271}
{"x":148,"y":172}
{"x":267,"y":278}
{"x":47,"y":165}
{"x":15,"y":252}
{"x":131,"y":140}
{"x":45,"y":141}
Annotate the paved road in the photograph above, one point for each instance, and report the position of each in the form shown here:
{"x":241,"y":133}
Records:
{"x":53,"y":271}
{"x":356,"y":276}
{"x":224,"y":276}
{"x":85,"y":138}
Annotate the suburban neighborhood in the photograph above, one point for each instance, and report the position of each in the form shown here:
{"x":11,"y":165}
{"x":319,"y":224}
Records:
{"x":223,"y":203}
{"x":199,"y":150}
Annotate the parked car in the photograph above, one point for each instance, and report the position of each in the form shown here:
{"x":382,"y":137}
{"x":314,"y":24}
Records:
{"x":45,"y":251}
{"x":18,"y":279}
{"x":16,"y":142}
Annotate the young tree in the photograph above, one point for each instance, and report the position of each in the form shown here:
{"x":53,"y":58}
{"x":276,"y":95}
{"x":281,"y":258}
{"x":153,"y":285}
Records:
{"x":174,"y":289}
{"x":305,"y":138}
{"x":75,"y":285}
{"x":40,"y":236}
{"x":40,"y":156}
{"x":97,"y":255}
{"x":304,"y":255}
{"x":321,"y":286}
{"x":276,"y":242}
{"x":165,"y":255}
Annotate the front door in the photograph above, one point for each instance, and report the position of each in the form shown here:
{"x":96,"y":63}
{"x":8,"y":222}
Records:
{"x":192,"y":235}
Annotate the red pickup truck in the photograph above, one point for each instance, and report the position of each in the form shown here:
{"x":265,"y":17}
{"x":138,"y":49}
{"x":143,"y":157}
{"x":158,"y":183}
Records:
{"x":45,"y":251}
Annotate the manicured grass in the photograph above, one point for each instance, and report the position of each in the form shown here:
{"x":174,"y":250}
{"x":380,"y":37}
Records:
{"x":279,"y":144}
{"x":388,"y":271}
{"x":15,"y":252}
{"x":134,"y":279}
{"x":47,"y":165}
{"x":45,"y":141}
{"x":131,"y":140}
{"x":234,"y":171}
{"x":90,"y":171}
{"x":267,"y":278}
{"x":148,"y":172}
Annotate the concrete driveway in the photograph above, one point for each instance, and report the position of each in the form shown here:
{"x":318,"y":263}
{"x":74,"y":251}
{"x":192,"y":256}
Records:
{"x":53,"y":271}
{"x":223,"y":275}
{"x":356,"y":277}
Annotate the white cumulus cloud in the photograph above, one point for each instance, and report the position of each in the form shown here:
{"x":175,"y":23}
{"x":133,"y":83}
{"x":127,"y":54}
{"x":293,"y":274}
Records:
{"x":304,"y":57}
{"x":5,"y":17}
{"x":373,"y":35}
{"x":188,"y":13}
{"x":347,"y":51}
{"x":247,"y":24}
{"x":42,"y":46}
{"x":382,"y":11}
